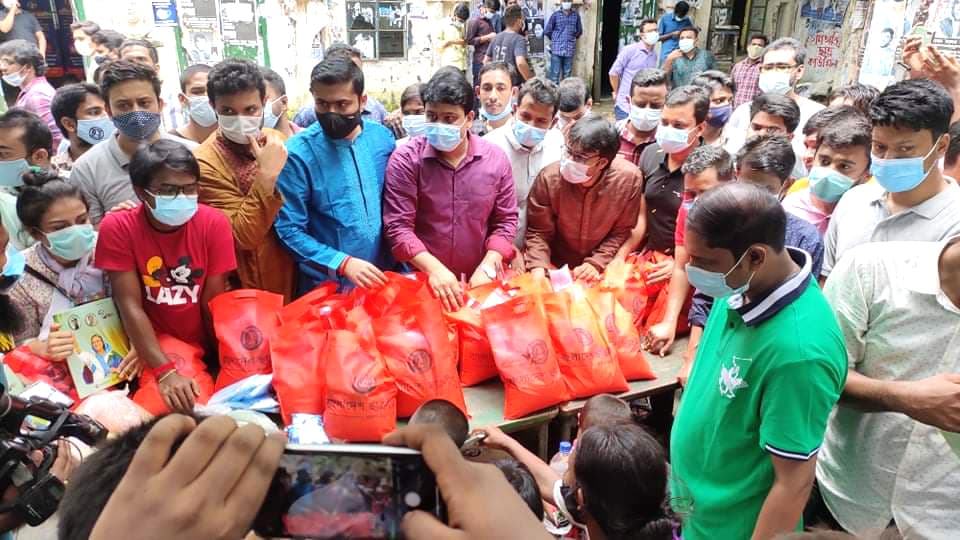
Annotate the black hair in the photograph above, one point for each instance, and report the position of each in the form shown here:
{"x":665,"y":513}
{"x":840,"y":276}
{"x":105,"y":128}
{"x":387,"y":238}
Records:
{"x":646,"y":22}
{"x":36,"y":134}
{"x":25,"y":54}
{"x":622,"y":471}
{"x":141,"y":43}
{"x":446,"y":415}
{"x":713,"y":79}
{"x":512,"y":14}
{"x":411,"y":93}
{"x":694,"y":29}
{"x":681,"y":9}
{"x":595,"y":134}
{"x":847,"y":132}
{"x":11,"y":318}
{"x":862,"y":95}
{"x":274,"y":80}
{"x":605,"y":410}
{"x":766,"y":40}
{"x":825,"y":117}
{"x":168,"y":154}
{"x":953,"y":149}
{"x":88,"y":27}
{"x":573,"y":94}
{"x":777,"y":105}
{"x":918,"y":104}
{"x":523,"y":483}
{"x":449,"y":88}
{"x":542,"y":90}
{"x":789,"y":43}
{"x":493,"y":5}
{"x":121,"y":71}
{"x":67,"y":100}
{"x":648,"y":77}
{"x":233,"y":76}
{"x":337,"y":70}
{"x":498,"y":66}
{"x":343,"y":50}
{"x":705,"y":156}
{"x":683,"y":95}
{"x":111,"y":39}
{"x":461,"y":11}
{"x":737,"y":215}
{"x":98,"y":73}
{"x":768,"y":153}
{"x":190,"y":72}
{"x":41,"y":188}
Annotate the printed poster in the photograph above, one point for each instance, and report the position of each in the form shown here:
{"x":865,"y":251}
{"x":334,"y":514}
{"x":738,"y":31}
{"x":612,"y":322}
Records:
{"x":883,"y":41}
{"x":824,"y":10}
{"x":238,"y":23}
{"x":99,"y":345}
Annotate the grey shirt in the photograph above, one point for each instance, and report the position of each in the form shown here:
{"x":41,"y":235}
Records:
{"x":862,"y":216}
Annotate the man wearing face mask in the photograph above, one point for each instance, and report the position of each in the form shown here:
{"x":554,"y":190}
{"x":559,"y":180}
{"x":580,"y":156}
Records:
{"x":563,"y":29}
{"x":81,"y":115}
{"x":201,"y":118}
{"x":688,"y":60}
{"x":768,"y":371}
{"x":911,"y":200}
{"x":669,"y":27}
{"x":721,"y":88}
{"x":25,"y":142}
{"x":575,"y":103}
{"x":24,"y":66}
{"x":582,"y":209}
{"x":529,"y":142}
{"x":480,"y":32}
{"x":277,"y":105}
{"x":631,"y":60}
{"x":648,"y":93}
{"x":132,"y":94}
{"x":332,"y":185}
{"x":82,"y":33}
{"x":497,"y":94}
{"x":450,"y":202}
{"x":746,"y":73}
{"x":239,"y":167}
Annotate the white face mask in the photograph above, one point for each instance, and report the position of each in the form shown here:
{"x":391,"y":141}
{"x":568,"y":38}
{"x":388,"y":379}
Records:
{"x":201,"y":111}
{"x":238,"y":128}
{"x":83,"y":48}
{"x":686,"y":45}
{"x":651,"y":38}
{"x":777,"y":82}
{"x":645,"y":119}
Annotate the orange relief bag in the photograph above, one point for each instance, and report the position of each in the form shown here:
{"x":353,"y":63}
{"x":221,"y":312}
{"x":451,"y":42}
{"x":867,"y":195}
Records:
{"x":621,"y":333}
{"x":32,"y":368}
{"x":583,"y":354}
{"x":188,"y":360}
{"x":361,"y":397}
{"x":298,"y":368}
{"x":244,"y":321}
{"x":520,"y":341}
{"x":294,"y":310}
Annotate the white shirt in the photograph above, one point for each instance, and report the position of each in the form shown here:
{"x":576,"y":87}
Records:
{"x":526,"y":164}
{"x":862,"y":216}
{"x":898,"y":325}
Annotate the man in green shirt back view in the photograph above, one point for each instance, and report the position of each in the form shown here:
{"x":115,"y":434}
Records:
{"x":770,"y":367}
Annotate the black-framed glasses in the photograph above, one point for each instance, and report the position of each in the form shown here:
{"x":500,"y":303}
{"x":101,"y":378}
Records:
{"x":778,"y":67}
{"x":170,"y":190}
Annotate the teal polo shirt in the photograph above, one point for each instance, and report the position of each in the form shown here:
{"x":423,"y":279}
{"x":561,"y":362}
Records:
{"x":766,"y":376}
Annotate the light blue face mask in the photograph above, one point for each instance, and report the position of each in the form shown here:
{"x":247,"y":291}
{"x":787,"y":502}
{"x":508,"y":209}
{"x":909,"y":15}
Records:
{"x":12,"y":269}
{"x":443,"y":137}
{"x":494,"y":117}
{"x":827,"y":184}
{"x":95,"y":130}
{"x":672,"y":140}
{"x":72,"y":243}
{"x":714,"y":284}
{"x":528,"y":135}
{"x":270,"y":120}
{"x":11,"y":172}
{"x":415,"y":124}
{"x":201,"y":111}
{"x":897,"y":175}
{"x":174,"y":210}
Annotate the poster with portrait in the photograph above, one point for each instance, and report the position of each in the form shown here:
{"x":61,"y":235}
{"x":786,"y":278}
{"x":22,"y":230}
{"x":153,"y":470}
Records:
{"x":535,"y":40}
{"x":824,"y":10}
{"x":238,"y":22}
{"x":883,"y":40}
{"x":99,"y":342}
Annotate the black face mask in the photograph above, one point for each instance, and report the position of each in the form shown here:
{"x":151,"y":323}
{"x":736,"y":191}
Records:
{"x":338,"y":126}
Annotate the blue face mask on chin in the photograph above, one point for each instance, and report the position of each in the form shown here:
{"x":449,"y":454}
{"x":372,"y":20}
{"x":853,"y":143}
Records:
{"x":897,"y":175}
{"x":714,"y":284}
{"x":495,"y":117}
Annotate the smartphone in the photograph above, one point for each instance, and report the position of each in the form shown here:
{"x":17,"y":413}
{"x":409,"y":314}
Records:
{"x":346,"y":491}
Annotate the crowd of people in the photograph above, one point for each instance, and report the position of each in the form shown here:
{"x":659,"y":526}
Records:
{"x":810,"y":250}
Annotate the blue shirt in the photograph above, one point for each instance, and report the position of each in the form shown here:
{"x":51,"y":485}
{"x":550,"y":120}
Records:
{"x":332,"y":191}
{"x":667,"y":25}
{"x":563,"y":29}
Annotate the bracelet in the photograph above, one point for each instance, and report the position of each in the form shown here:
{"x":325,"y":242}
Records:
{"x":165,"y":375}
{"x":343,"y":265}
{"x":163,"y":368}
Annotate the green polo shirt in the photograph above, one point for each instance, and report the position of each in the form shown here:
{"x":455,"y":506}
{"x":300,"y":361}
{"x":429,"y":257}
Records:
{"x":765,"y":379}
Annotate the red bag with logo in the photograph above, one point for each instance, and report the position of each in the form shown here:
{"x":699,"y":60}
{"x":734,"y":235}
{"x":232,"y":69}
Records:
{"x":583,"y":354}
{"x":361,"y":396}
{"x":32,"y":368}
{"x":525,"y":358}
{"x":298,"y":368}
{"x":188,"y":360}
{"x":621,"y":333}
{"x":419,"y":355}
{"x":399,"y":291}
{"x":306,"y":303}
{"x":244,"y":320}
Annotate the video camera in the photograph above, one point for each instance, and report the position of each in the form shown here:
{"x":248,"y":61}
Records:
{"x":28,"y":451}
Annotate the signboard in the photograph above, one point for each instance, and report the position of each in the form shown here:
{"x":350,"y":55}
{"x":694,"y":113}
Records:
{"x":823,"y":44}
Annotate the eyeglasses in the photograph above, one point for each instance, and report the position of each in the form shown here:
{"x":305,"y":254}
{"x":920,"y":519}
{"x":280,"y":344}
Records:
{"x":168,"y":190}
{"x":579,"y":158}
{"x":778,"y":67}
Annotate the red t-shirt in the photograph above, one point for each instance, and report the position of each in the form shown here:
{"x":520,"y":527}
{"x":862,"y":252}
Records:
{"x":173,"y":266}
{"x":681,"y":230}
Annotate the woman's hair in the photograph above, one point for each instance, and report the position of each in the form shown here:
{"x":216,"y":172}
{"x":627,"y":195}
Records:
{"x":42,"y":188}
{"x":622,"y":471}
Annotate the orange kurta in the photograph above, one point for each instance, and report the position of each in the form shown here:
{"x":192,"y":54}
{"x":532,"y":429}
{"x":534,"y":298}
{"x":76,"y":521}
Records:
{"x":262,"y":262}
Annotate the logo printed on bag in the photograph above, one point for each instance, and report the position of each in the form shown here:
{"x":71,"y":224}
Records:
{"x":251,"y":338}
{"x":584,"y":338}
{"x":638,"y":305}
{"x":537,"y":352}
{"x":419,"y":361}
{"x":611,"y":325}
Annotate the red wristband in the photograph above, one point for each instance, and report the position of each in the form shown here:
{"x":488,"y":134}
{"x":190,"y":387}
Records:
{"x":163,"y":368}
{"x":343,"y":265}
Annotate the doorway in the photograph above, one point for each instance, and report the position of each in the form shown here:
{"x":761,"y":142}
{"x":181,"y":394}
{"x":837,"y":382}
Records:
{"x":617,"y":27}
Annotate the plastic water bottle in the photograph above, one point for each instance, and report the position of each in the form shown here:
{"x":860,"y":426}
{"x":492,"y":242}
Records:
{"x":561,"y":459}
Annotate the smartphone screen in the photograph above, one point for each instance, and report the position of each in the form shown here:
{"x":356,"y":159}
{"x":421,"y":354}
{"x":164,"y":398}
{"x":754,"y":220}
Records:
{"x":346,"y":491}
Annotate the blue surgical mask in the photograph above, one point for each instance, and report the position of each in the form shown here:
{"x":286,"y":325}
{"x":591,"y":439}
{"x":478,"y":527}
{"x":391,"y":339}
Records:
{"x":827,"y":184}
{"x":489,"y":15}
{"x":201,"y":112}
{"x":415,"y":124}
{"x":718,"y":116}
{"x":443,"y":137}
{"x":493,"y":118}
{"x":528,"y":135}
{"x":673,"y":140}
{"x":714,"y":284}
{"x":14,"y":79}
{"x":72,"y":243}
{"x":174,"y":210}
{"x":270,"y":120}
{"x":897,"y":175}
{"x":95,"y":130}
{"x":13,"y":269}
{"x":11,"y":172}
{"x":137,"y":125}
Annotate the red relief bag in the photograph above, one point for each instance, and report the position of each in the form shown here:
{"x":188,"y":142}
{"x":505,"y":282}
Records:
{"x":188,"y":359}
{"x":32,"y":368}
{"x":361,"y":396}
{"x":419,"y":356}
{"x":583,"y":353}
{"x":398,"y":291}
{"x":524,"y":356}
{"x":296,"y":309}
{"x":298,"y":368}
{"x":621,"y":333}
{"x":244,"y":320}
